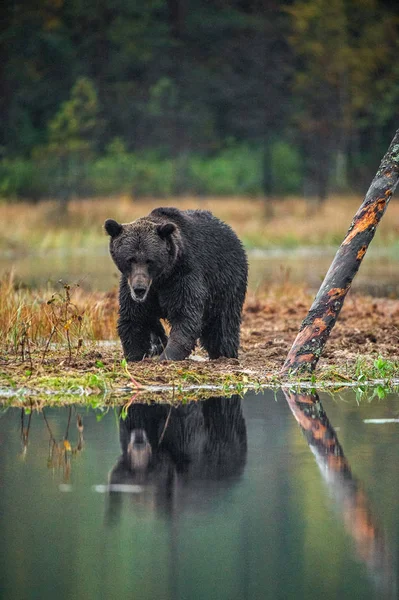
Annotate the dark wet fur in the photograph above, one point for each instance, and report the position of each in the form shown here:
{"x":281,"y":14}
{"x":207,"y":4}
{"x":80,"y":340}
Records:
{"x":199,"y":442}
{"x":198,"y":275}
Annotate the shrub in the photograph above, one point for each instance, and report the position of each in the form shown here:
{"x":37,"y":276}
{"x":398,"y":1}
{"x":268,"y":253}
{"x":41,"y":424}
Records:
{"x":286,"y":168}
{"x":20,"y":177}
{"x":236,"y":170}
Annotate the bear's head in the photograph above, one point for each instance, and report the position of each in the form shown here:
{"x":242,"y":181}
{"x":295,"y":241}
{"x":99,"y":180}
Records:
{"x":143,"y":251}
{"x":139,"y":451}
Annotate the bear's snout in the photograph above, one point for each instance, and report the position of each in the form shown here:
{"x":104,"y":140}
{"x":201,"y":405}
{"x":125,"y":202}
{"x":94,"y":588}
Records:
{"x":139,"y":292}
{"x":139,"y":283}
{"x":139,"y":450}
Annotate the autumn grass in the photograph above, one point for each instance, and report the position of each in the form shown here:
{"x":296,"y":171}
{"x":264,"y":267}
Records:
{"x":66,"y":315}
{"x":56,"y":314}
{"x":294,"y":222}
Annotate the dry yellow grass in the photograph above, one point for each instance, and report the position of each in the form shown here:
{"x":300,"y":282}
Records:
{"x":32,"y":317}
{"x":294,"y":222}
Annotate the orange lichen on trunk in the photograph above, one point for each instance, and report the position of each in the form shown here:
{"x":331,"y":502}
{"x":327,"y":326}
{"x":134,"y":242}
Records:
{"x":369,"y":218}
{"x":337,"y":292}
{"x":361,"y":253}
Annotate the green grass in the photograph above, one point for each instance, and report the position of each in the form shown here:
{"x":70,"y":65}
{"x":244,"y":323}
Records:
{"x":380,"y":368}
{"x":180,"y":384}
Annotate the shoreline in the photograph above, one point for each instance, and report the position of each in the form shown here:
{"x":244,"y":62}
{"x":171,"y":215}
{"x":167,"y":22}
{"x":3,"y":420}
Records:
{"x":362,"y":352}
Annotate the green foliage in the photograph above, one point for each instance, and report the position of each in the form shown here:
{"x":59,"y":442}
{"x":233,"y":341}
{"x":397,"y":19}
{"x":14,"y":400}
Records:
{"x":72,"y":136}
{"x":75,"y":123}
{"x":235,"y":170}
{"x":130,"y":173}
{"x":20,"y":177}
{"x":385,"y":368}
{"x":286,"y":168}
{"x":381,"y":368}
{"x":174,"y":86}
{"x":344,"y":81}
{"x":162,"y":97}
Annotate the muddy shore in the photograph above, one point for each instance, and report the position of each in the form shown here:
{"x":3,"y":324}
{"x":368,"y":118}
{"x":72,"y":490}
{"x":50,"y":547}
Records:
{"x":363,"y":346}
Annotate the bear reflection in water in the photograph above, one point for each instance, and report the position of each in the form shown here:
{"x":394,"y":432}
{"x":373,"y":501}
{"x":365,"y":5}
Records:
{"x":177,"y":456}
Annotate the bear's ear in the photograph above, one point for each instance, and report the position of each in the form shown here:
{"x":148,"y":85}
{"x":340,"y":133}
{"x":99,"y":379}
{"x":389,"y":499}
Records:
{"x":113,"y":228}
{"x":166,"y":229}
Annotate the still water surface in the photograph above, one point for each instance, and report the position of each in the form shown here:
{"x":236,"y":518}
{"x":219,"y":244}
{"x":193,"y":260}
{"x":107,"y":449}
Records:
{"x":265,"y":497}
{"x":94,"y":270}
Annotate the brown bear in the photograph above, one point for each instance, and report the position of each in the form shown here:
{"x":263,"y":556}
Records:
{"x":187,"y":267}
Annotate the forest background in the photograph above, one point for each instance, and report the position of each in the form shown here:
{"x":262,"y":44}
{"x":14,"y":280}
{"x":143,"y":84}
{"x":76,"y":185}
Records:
{"x":221,"y":97}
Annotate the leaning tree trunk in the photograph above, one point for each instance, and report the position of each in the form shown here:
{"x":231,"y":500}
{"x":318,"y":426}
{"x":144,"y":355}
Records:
{"x":316,"y":328}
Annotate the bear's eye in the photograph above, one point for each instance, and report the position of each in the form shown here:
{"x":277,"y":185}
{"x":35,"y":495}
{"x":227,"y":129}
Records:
{"x":133,"y":260}
{"x":149,"y":261}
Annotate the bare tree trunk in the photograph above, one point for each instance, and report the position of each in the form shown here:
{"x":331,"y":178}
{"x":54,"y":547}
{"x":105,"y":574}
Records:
{"x":316,"y":328}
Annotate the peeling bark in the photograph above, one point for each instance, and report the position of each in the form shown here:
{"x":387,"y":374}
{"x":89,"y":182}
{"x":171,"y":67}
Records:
{"x":316,"y":327}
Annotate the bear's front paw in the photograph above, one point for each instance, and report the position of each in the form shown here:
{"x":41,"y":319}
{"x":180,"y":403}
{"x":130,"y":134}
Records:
{"x":173,"y":353}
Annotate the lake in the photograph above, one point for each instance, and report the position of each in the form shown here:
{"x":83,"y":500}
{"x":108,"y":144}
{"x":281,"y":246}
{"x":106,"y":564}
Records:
{"x":276,"y":495}
{"x":94,"y":270}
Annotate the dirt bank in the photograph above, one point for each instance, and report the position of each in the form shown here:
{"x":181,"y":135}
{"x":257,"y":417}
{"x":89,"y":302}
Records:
{"x":367,"y":329}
